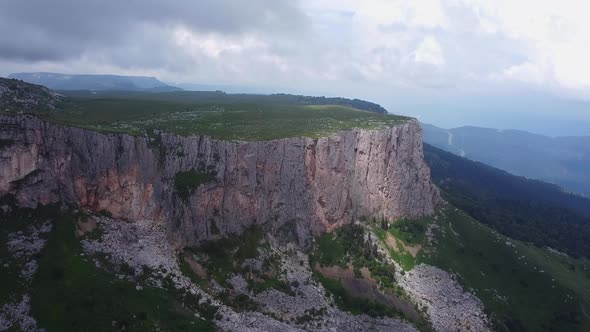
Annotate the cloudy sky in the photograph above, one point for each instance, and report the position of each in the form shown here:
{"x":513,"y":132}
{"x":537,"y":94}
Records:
{"x":410,"y":55}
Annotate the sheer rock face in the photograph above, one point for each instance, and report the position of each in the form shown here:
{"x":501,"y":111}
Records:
{"x":301,"y":185}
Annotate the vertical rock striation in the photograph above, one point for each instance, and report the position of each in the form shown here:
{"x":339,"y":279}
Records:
{"x":302,"y":185}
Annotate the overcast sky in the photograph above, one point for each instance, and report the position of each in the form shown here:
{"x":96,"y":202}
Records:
{"x":378,"y":49}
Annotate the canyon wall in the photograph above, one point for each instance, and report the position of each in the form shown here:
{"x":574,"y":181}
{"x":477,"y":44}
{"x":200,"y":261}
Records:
{"x":301,"y":185}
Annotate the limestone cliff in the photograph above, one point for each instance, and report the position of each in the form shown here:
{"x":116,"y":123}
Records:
{"x":298,"y":184}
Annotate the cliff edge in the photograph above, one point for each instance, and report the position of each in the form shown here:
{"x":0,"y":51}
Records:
{"x":201,"y":188}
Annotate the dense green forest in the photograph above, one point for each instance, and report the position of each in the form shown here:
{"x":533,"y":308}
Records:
{"x":524,"y":209}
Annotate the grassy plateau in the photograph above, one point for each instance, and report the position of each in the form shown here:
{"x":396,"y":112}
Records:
{"x":223,"y":117}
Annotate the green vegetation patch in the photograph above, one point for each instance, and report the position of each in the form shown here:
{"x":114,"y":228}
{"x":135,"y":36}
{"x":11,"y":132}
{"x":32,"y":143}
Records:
{"x":186,"y":182}
{"x":400,"y":255}
{"x":223,"y":257}
{"x":252,"y":118}
{"x":69,"y":293}
{"x":411,"y":231}
{"x":404,"y":238}
{"x":342,"y":246}
{"x":17,"y":221}
{"x":270,"y":282}
{"x":524,"y":288}
{"x":330,"y":250}
{"x":353,"y":304}
{"x":347,"y":247}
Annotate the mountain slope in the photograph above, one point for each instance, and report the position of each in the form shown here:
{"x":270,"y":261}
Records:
{"x":524,"y":209}
{"x":560,"y":160}
{"x":523,"y":287}
{"x":16,"y":95}
{"x":94,"y":82}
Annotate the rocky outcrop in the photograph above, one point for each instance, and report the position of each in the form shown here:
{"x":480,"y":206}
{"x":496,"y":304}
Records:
{"x":448,"y":305}
{"x":19,"y":95}
{"x":143,"y":248}
{"x":300,"y":185}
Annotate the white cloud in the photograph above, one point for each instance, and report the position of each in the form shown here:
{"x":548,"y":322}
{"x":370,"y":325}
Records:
{"x":214,"y":45}
{"x":429,"y":52}
{"x":329,"y":43}
{"x":554,"y":34}
{"x":525,"y":72}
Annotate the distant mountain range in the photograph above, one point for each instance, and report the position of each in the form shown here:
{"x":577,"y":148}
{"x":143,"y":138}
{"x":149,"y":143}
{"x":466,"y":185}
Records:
{"x":95,"y":82}
{"x":227,"y":88}
{"x":560,"y":160}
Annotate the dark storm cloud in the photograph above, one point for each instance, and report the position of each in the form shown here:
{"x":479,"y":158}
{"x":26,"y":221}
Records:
{"x":34,"y":30}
